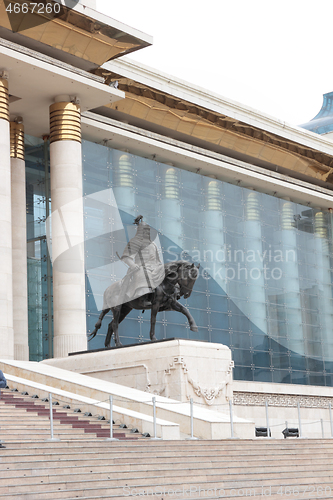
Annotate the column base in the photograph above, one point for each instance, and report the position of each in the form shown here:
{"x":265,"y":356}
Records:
{"x":21,"y":352}
{"x":64,"y":344}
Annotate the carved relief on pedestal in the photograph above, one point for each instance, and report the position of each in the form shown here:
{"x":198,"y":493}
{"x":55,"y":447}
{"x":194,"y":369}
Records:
{"x":209,"y":394}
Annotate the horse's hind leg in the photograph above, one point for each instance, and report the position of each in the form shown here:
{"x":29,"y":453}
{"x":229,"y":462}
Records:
{"x":108,"y":337}
{"x":113,"y":326}
{"x":154,"y":310}
{"x":98,"y":324}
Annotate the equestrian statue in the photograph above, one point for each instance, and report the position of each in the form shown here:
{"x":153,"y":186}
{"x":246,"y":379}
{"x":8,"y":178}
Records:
{"x":148,"y":284}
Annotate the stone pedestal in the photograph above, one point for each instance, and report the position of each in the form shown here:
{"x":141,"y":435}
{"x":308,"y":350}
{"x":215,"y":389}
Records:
{"x":176,"y":368}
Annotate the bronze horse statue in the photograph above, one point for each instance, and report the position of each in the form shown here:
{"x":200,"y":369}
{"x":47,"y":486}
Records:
{"x":179,"y":280}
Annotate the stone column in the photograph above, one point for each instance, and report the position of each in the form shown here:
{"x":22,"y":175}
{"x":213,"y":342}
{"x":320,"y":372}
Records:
{"x":211,"y":235}
{"x":69,"y":303}
{"x":324,"y":283}
{"x":170,"y":209}
{"x":255,"y":289}
{"x":19,"y":242}
{"x":123,"y":181}
{"x":6,"y":285}
{"x":291,"y":289}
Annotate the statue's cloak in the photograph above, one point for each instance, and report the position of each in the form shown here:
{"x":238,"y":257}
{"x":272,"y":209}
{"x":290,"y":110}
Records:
{"x":138,"y":282}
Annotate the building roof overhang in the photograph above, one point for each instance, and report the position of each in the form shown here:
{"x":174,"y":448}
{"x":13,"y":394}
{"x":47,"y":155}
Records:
{"x":34,"y":82}
{"x":123,"y":136}
{"x":163,"y":104}
{"x":80,"y":35}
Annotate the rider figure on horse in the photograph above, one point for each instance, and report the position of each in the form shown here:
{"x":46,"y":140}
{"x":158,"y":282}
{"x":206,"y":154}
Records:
{"x":146,"y":271}
{"x":148,"y":284}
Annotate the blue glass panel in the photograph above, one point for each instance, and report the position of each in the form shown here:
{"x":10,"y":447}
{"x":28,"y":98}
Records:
{"x":223,"y":337}
{"x":281,"y":377}
{"x":316,"y":379}
{"x":217,"y":320}
{"x":214,"y":287}
{"x":198,"y":300}
{"x":177,"y":331}
{"x":201,"y":334}
{"x":243,"y":373}
{"x":298,"y":377}
{"x":281,"y":361}
{"x":242,"y":357}
{"x":261,"y":358}
{"x":260,"y":342}
{"x":328,"y":366}
{"x":262,"y":375}
{"x":240,"y":323}
{"x":218,"y":302}
{"x":298,"y":362}
{"x":241,"y":340}
{"x":315,"y":365}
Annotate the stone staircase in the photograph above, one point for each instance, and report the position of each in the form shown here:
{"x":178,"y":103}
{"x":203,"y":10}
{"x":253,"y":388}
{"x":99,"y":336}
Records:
{"x":26,"y":418}
{"x":83,"y":465}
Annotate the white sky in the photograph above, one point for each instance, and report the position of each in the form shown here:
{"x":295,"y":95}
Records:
{"x":275,"y":56}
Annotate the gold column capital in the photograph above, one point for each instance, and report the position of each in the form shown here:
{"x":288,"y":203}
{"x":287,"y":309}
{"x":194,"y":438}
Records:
{"x":65,"y":122}
{"x":4,"y":99}
{"x":320,"y":226}
{"x":17,"y":140}
{"x":124,"y":174}
{"x":287,"y":216}
{"x":213,"y":196}
{"x":171,"y":184}
{"x":252,"y":209}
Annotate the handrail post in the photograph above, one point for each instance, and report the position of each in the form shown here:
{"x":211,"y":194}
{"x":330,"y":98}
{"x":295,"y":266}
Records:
{"x":51,"y":415}
{"x":267,"y":420}
{"x":52,"y":438}
{"x":154,"y":418}
{"x":111,"y":438}
{"x":231,"y":419}
{"x":192,"y":417}
{"x":299,"y":419}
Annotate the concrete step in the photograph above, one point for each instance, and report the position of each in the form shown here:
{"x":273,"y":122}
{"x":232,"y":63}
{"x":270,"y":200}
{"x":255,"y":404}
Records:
{"x":84,"y":466}
{"x":109,"y":450}
{"x":113,"y":486}
{"x":102,"y":489}
{"x":87,"y":465}
{"x":218,"y":447}
{"x":211,"y":474}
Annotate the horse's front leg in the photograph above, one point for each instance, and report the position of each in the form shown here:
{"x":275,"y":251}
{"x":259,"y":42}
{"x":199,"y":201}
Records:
{"x":177,"y":306}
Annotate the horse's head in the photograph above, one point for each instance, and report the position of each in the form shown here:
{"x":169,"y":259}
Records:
{"x":187,"y":275}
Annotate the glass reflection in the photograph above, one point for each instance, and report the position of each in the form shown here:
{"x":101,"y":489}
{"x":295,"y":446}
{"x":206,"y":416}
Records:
{"x":265,"y":285}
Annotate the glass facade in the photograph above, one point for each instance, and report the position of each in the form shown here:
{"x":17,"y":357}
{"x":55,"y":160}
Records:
{"x":39,"y":266}
{"x":265,"y":284}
